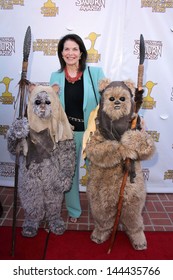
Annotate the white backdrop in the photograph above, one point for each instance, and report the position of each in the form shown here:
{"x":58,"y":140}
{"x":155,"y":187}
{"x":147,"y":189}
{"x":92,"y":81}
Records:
{"x":111,"y":31}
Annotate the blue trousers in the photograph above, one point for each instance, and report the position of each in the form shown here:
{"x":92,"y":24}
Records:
{"x":72,"y":198}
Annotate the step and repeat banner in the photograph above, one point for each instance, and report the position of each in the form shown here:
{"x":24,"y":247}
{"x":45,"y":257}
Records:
{"x":111,"y":31}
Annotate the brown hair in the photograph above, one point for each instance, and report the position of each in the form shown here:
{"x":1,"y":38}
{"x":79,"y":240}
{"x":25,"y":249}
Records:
{"x":77,"y":40}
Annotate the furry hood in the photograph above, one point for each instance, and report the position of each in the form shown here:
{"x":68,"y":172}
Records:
{"x":113,"y":122}
{"x":57,"y":124}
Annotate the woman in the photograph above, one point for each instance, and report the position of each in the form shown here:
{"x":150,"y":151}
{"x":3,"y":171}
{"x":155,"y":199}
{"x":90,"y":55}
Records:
{"x":79,"y":95}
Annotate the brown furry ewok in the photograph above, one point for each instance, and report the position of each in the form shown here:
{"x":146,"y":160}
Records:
{"x":111,"y":144}
{"x":128,"y":165}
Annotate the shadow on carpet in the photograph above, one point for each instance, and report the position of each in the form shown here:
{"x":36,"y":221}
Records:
{"x":76,"y":245}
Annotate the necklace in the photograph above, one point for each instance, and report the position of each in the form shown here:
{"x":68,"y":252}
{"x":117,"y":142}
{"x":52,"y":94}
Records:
{"x":72,"y":79}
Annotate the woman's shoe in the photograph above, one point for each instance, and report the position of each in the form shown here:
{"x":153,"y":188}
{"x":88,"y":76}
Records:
{"x":73,"y":220}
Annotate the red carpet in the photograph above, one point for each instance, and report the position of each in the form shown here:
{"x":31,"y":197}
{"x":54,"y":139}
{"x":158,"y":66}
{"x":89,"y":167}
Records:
{"x":76,"y":245}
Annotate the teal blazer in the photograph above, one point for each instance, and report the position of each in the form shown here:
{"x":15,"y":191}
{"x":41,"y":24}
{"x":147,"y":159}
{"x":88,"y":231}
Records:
{"x":89,"y":98}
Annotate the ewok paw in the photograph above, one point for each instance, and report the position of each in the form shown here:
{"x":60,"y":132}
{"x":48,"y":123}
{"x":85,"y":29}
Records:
{"x":19,"y":129}
{"x":16,"y":136}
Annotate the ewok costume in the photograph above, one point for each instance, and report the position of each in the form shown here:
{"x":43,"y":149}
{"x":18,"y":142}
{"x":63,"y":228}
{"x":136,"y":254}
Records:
{"x":47,"y":159}
{"x":108,"y":147}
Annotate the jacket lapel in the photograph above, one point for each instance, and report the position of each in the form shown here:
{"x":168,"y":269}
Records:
{"x":62,"y":87}
{"x":86,"y":88}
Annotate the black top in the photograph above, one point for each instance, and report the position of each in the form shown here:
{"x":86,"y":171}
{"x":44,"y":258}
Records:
{"x":74,"y":95}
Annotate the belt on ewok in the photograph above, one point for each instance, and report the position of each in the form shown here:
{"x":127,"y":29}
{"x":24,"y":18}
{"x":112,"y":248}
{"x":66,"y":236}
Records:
{"x":75,"y":119}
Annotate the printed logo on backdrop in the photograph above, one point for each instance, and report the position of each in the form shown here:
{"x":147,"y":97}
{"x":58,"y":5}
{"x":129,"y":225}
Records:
{"x":7,"y":46}
{"x":9,"y":4}
{"x":6,"y":97}
{"x":153,"y":51}
{"x":158,"y":6}
{"x":3,"y":130}
{"x":93,"y":55}
{"x":146,"y":174}
{"x":154,"y":134}
{"x":47,"y":46}
{"x":148,"y":100}
{"x":49,"y":9}
{"x":7,"y":169}
{"x":168,"y":175}
{"x":41,"y":83}
{"x":90,"y":5}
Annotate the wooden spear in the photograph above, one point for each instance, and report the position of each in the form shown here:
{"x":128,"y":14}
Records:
{"x":23,"y":83}
{"x":138,"y":102}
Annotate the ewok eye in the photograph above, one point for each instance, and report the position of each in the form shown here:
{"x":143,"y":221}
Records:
{"x":37,"y":102}
{"x":122,"y":98}
{"x":47,"y":102}
{"x":111,"y":98}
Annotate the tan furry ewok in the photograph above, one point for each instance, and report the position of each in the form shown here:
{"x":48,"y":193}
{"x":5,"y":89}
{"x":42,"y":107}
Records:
{"x":108,"y":148}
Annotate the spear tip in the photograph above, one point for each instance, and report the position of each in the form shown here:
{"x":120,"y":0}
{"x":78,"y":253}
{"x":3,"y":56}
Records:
{"x":142,"y":49}
{"x":27,"y":44}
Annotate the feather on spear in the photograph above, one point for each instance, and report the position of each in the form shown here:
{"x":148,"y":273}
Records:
{"x":138,"y":102}
{"x":21,"y":98}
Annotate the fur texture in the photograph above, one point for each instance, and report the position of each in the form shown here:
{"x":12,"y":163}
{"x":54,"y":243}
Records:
{"x":107,"y":153}
{"x":47,"y":161}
